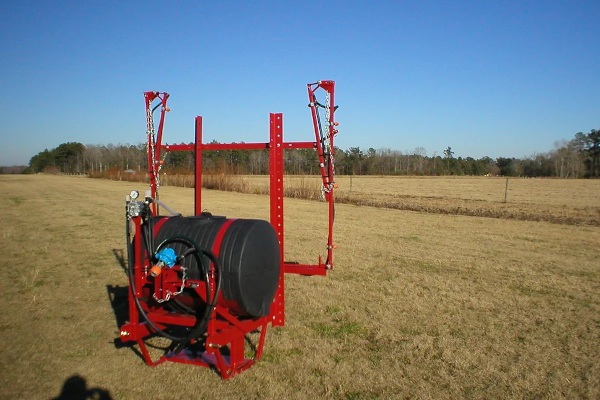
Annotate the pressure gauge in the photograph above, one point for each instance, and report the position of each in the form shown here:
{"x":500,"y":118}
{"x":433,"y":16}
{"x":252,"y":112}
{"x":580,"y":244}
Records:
{"x":134,"y":194}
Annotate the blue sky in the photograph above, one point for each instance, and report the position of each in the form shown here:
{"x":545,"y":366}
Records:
{"x":488,"y":78}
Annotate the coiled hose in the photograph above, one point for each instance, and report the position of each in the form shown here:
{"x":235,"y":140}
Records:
{"x":211,"y":298}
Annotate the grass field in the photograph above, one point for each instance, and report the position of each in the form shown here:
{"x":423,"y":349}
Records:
{"x":561,"y":201}
{"x":422,"y":305}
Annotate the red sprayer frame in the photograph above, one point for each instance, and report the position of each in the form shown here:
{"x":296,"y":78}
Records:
{"x":325,"y":149}
{"x":224,"y":329}
{"x":154,"y":140}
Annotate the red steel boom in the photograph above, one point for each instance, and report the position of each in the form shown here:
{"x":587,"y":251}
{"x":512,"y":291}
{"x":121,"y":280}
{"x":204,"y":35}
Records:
{"x":325,"y":149}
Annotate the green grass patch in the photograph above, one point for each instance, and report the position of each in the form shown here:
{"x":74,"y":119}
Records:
{"x":340,"y":329}
{"x":17,"y":200}
{"x":412,"y":238}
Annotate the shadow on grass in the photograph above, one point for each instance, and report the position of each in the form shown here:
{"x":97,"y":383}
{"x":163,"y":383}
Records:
{"x":119,"y":300}
{"x":120,"y":256}
{"x":119,"y":296}
{"x":75,"y":388}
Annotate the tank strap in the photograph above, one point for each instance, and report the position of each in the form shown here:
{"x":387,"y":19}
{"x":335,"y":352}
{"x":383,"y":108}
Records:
{"x":159,"y":224}
{"x":216,"y":247}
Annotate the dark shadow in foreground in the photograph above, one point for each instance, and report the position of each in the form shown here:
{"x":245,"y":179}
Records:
{"x":120,"y":257}
{"x":75,"y":388}
{"x":119,"y":300}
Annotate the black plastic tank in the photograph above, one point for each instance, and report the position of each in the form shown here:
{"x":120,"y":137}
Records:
{"x":249,"y":257}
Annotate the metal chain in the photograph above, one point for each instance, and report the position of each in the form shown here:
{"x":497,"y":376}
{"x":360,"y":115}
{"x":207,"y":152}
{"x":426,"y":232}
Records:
{"x":152,"y":134}
{"x":331,"y":128}
{"x":327,"y":144}
{"x":169,"y":293}
{"x":183,"y":280}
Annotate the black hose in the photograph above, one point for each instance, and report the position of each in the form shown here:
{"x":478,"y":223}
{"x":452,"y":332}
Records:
{"x":193,"y":248}
{"x":211,"y":298}
{"x":141,"y":310}
{"x":179,"y":307}
{"x":199,"y":328}
{"x":319,"y":125}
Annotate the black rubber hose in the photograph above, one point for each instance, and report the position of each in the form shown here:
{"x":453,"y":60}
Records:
{"x":201,"y":327}
{"x":127,"y":238}
{"x":179,"y":307}
{"x":319,"y":125}
{"x":193,"y":248}
{"x":139,"y":305}
{"x":211,"y":301}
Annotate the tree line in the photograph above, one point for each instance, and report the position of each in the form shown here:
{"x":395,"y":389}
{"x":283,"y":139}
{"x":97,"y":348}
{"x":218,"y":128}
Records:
{"x":577,"y":158}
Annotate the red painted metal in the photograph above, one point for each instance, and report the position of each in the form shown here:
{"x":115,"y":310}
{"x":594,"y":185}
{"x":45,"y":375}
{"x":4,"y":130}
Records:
{"x":325,"y":150}
{"x":226,"y":333}
{"x":198,"y":169}
{"x":154,"y":139}
{"x":158,"y":224}
{"x":276,"y":207}
{"x":216,"y":249}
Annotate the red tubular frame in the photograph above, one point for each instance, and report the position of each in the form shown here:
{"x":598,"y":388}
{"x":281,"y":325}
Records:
{"x":326,"y":160}
{"x":224,"y":329}
{"x":154,"y":139}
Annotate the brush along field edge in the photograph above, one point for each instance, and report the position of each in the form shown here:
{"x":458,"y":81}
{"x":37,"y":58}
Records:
{"x":561,"y":201}
{"x":419,"y":306}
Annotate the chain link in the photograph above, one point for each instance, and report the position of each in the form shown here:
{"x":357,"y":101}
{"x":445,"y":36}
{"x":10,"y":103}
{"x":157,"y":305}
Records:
{"x":151,"y":132}
{"x":327,"y":147}
{"x":151,"y":142}
{"x":171,"y":294}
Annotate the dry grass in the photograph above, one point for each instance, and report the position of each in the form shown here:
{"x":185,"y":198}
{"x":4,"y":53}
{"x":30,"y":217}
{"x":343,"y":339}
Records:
{"x":553,"y":200}
{"x":561,"y":201}
{"x":420,"y":305}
